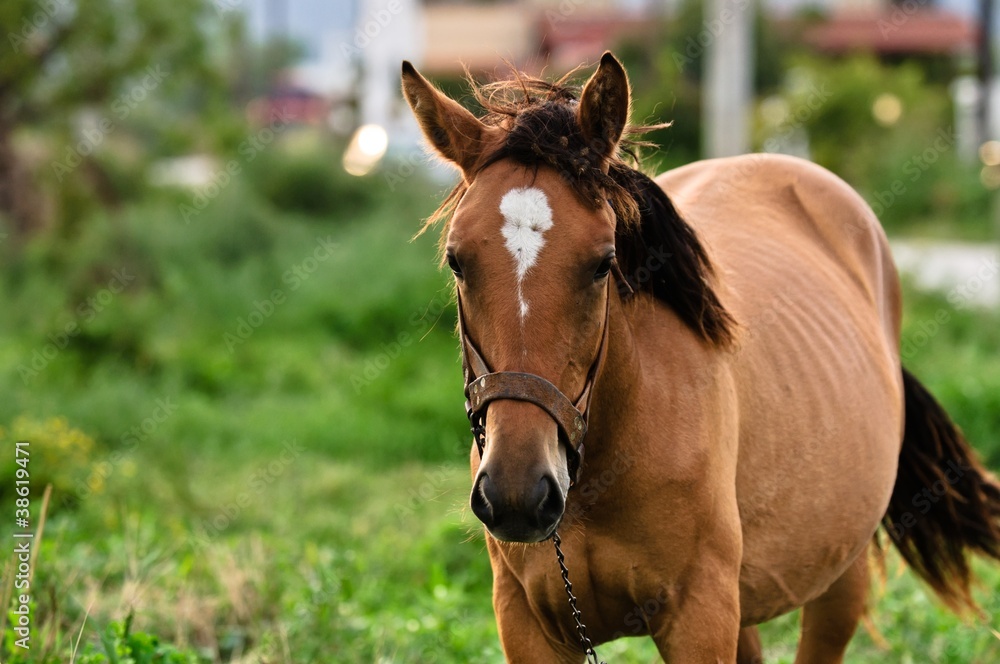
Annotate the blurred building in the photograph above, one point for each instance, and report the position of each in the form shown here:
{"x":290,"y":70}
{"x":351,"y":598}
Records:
{"x":886,"y":30}
{"x":354,"y":47}
{"x":530,"y":34}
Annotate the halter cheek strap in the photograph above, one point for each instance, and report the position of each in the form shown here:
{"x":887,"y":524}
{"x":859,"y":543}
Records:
{"x":483,"y":386}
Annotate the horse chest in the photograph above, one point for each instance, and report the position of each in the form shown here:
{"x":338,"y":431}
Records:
{"x":618,"y":597}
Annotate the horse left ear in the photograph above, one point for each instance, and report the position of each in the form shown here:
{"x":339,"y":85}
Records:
{"x":455,"y":133}
{"x":604,"y":105}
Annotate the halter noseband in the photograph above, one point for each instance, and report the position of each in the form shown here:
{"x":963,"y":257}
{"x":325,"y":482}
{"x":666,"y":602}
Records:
{"x":483,"y":386}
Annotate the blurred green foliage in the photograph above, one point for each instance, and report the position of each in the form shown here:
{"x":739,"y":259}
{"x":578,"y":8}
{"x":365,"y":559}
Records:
{"x":93,"y":92}
{"x":247,"y":398}
{"x":310,"y":180}
{"x":905,"y":166}
{"x":79,"y":83}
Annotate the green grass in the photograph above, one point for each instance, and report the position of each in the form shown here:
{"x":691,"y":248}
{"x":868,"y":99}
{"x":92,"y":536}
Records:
{"x":333,"y":561}
{"x":300,"y":495}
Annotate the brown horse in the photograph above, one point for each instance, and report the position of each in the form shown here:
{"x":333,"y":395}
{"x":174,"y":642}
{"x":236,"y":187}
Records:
{"x":734,"y":369}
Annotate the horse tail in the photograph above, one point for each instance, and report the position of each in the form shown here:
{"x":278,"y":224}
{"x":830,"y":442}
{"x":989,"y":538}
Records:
{"x":945,"y":504}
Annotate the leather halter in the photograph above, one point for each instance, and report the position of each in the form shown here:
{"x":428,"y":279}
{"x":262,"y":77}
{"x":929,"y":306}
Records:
{"x":483,"y":386}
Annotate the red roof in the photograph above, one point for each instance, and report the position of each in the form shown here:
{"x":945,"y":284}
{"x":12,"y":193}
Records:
{"x":895,"y":31}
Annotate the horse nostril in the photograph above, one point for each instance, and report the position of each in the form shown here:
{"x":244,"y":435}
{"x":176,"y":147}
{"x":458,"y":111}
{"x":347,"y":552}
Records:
{"x":480,"y":502}
{"x":551,"y":504}
{"x":534,"y":514}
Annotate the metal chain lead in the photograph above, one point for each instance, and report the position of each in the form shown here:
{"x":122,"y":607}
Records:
{"x":588,"y":646}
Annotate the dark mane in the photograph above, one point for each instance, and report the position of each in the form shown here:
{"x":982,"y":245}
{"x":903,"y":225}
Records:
{"x":540,"y":120}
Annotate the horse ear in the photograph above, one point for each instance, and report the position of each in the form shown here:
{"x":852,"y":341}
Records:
{"x":604,"y":105}
{"x":455,"y":133}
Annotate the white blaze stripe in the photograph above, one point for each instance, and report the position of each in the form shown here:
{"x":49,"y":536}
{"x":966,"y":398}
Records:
{"x":527,"y":216}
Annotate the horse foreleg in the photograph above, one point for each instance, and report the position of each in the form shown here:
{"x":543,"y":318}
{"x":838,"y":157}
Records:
{"x":706,"y":625}
{"x":521,"y":634}
{"x":749,"y":650}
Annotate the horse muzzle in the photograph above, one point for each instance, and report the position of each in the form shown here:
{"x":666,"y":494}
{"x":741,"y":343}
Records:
{"x":535,"y":511}
{"x":531,"y":516}
{"x":522,"y":500}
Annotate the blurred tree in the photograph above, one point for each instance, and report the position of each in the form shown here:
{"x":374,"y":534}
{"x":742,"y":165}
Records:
{"x":255,"y":69}
{"x":65,"y":56}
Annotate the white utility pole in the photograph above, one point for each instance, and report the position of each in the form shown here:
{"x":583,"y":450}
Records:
{"x":728,"y":79}
{"x":387,"y":33}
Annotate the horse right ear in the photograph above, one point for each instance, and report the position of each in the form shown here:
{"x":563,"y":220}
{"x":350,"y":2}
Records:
{"x":455,"y":133}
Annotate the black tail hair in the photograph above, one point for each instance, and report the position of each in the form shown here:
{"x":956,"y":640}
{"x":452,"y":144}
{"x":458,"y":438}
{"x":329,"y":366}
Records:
{"x":945,"y":504}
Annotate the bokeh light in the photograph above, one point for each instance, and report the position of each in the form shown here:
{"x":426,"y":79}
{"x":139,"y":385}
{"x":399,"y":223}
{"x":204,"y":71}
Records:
{"x":989,"y":153}
{"x":990,"y":177}
{"x":366,"y":149}
{"x":887,"y":109}
{"x":774,"y":110}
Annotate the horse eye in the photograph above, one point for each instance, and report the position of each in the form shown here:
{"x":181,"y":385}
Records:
{"x":604,"y":268}
{"x":455,"y":267}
